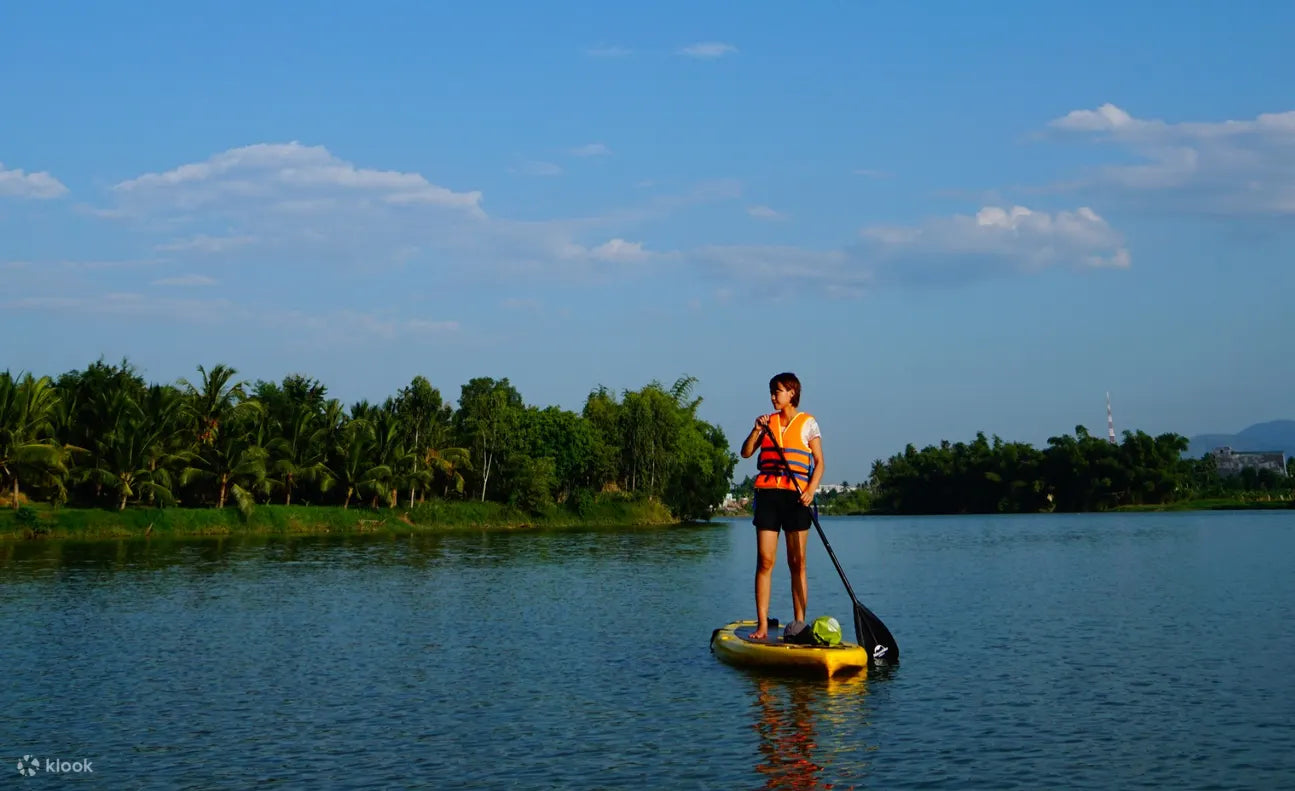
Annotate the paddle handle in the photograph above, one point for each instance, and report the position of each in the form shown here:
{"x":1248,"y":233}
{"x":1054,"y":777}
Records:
{"x":764,"y":430}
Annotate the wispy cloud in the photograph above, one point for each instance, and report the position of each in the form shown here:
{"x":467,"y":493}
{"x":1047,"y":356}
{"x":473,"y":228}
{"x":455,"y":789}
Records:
{"x":17,"y":183}
{"x":871,"y":174}
{"x":619,"y":251}
{"x":996,"y":240}
{"x":202,"y":243}
{"x":283,"y":202}
{"x":940,"y":251}
{"x":765,"y":213}
{"x":1223,"y":167}
{"x":348,"y":325}
{"x":267,"y":174}
{"x":708,"y":50}
{"x":591,"y":150}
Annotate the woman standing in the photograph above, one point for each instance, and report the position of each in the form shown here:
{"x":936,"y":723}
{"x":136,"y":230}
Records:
{"x":778,"y":505}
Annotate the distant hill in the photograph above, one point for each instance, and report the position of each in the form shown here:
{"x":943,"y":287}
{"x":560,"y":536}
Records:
{"x":1273,"y":435}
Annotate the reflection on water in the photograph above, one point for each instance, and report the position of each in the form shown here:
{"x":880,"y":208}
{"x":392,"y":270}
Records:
{"x":1037,"y":656}
{"x":461,"y":549}
{"x":800,"y":725}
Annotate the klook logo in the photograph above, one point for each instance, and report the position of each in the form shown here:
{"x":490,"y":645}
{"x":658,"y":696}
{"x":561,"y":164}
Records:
{"x":29,"y":765}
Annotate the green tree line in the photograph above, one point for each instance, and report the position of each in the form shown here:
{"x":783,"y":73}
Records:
{"x":1078,"y":472}
{"x":103,"y":437}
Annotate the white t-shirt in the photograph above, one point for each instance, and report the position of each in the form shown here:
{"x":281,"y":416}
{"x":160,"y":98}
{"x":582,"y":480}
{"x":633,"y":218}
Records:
{"x":808,"y":429}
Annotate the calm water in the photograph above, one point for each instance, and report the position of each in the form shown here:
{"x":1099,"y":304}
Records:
{"x":1058,"y":652}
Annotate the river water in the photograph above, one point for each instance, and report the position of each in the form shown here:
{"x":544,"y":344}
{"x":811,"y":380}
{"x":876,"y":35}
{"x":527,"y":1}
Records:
{"x":1038,"y":652}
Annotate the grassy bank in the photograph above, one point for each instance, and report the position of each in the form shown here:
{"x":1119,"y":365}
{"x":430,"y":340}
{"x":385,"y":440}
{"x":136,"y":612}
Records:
{"x":44,"y":522}
{"x":1214,"y":504}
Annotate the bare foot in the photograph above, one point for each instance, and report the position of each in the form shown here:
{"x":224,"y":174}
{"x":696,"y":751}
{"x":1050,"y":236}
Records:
{"x":759,"y":634}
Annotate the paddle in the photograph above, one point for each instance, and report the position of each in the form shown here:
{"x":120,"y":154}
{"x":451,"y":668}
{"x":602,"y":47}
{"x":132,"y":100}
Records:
{"x":869,"y":631}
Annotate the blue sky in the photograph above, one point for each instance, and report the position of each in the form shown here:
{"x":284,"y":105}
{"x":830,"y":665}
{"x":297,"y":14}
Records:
{"x":945,"y":219}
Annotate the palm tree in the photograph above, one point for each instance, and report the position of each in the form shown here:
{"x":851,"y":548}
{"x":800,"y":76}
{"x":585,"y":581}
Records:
{"x":135,"y":452}
{"x":299,"y":454}
{"x":218,"y":400}
{"x":448,"y":464}
{"x":27,"y":410}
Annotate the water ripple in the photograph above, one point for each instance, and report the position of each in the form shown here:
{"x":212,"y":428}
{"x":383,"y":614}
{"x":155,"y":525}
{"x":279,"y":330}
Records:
{"x":1140,"y":651}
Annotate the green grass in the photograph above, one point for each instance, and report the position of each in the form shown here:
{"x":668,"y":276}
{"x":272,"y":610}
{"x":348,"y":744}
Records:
{"x":43,"y":521}
{"x":1213,"y":504}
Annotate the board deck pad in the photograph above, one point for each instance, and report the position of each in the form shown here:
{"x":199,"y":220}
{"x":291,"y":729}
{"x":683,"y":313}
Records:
{"x":774,"y":637}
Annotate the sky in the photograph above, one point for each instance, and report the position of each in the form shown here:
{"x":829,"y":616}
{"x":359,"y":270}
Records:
{"x":945,"y":218}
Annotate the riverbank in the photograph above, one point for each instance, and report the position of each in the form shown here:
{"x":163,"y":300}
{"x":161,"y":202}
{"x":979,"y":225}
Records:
{"x":43,"y":522}
{"x":1214,"y":504}
{"x":1205,"y":504}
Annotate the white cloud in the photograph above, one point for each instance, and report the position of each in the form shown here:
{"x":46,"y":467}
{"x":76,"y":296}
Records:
{"x":1105,"y":118}
{"x":301,"y":208}
{"x":995,"y":240}
{"x":1224,"y":167}
{"x":591,"y":150}
{"x":940,"y":251}
{"x":708,"y":49}
{"x":19,"y":184}
{"x":619,"y":251}
{"x":202,"y":243}
{"x":765,"y":213}
{"x":267,"y":174}
{"x":185,"y":280}
{"x":772,"y":267}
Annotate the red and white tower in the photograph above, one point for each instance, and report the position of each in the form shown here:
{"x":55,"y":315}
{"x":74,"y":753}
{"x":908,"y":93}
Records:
{"x":1110,"y":421}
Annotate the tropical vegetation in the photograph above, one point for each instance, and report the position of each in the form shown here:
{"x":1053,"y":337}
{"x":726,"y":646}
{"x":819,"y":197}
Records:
{"x":103,"y":437}
{"x":1073,"y":473}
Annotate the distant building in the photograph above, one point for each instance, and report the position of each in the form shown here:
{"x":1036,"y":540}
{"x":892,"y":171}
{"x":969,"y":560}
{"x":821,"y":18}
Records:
{"x":835,"y":488}
{"x":1231,"y":462}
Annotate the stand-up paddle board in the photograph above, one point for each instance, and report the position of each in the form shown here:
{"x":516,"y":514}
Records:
{"x":732,"y":643}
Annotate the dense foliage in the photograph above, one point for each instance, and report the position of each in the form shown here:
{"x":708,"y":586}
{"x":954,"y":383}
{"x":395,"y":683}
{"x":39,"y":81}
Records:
{"x":1073,"y":473}
{"x":103,"y":437}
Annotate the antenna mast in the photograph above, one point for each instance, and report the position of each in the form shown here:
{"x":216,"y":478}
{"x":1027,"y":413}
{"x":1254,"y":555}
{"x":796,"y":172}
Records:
{"x":1110,"y":421}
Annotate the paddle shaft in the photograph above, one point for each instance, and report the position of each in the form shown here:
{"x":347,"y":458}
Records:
{"x":813,"y":514}
{"x":880,"y":642}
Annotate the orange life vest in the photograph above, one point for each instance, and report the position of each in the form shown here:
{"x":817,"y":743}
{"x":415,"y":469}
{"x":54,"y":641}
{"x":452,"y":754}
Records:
{"x":773,"y":474}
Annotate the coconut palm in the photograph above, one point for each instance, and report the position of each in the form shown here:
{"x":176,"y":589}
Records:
{"x":27,"y":410}
{"x":218,"y":400}
{"x":299,"y":455}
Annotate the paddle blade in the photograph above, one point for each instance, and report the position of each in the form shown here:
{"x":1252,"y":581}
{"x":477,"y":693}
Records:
{"x":873,"y":635}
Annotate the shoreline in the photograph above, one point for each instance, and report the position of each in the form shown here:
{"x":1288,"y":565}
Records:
{"x":1204,"y":504}
{"x":41,"y":522}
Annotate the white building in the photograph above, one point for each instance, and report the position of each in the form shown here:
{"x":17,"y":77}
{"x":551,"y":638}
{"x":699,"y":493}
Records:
{"x":1231,"y":462}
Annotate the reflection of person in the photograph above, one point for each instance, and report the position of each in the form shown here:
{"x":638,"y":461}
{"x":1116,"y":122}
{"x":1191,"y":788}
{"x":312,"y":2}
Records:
{"x":777,"y":505}
{"x":787,"y":738}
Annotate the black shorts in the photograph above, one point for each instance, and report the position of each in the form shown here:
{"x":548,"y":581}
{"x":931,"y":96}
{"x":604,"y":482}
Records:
{"x":780,"y":508}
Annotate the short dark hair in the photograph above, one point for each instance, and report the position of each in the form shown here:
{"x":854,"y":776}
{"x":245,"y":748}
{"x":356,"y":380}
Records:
{"x":789,"y":381}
